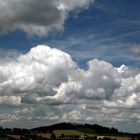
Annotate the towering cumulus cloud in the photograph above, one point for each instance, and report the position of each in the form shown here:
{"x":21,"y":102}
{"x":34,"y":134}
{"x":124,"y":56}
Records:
{"x":37,"y":17}
{"x":49,"y":78}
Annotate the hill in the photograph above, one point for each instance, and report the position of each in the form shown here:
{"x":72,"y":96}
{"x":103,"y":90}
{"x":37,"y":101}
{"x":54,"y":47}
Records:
{"x":85,"y":128}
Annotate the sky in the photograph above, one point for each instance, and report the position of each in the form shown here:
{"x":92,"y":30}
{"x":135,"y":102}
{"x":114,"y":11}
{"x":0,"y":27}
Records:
{"x":70,"y":61}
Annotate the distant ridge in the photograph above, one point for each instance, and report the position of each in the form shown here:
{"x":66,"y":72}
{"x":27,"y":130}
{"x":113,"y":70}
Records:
{"x":74,"y":126}
{"x":97,"y":129}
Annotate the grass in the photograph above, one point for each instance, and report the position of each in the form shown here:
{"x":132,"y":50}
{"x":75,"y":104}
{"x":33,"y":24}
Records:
{"x":17,"y":137}
{"x":79,"y":132}
{"x":121,"y":138}
{"x":67,"y":133}
{"x":86,"y":130}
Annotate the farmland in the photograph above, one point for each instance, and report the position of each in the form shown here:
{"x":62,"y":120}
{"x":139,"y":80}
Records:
{"x":67,"y":131}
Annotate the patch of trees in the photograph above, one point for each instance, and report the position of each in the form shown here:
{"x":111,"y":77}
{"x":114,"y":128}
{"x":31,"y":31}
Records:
{"x":74,"y":126}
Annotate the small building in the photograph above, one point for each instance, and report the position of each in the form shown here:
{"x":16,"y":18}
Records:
{"x":100,"y":137}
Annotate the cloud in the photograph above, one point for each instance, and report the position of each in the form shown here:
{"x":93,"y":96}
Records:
{"x":42,"y":69}
{"x":51,"y":84}
{"x":37,"y":17}
{"x":52,"y":76}
{"x":135,"y":49}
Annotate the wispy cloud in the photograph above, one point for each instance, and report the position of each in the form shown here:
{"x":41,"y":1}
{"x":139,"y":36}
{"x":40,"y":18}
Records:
{"x":135,"y":49}
{"x":88,"y":45}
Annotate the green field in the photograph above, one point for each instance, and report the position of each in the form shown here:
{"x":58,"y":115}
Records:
{"x":72,"y":132}
{"x":86,"y":130}
{"x":68,"y":133}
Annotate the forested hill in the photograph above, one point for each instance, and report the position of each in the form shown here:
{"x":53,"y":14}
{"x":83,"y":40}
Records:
{"x":74,"y":126}
{"x":87,"y":128}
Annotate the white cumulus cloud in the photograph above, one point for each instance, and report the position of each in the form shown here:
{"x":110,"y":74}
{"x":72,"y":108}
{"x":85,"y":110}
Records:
{"x":37,"y":17}
{"x":49,"y":82}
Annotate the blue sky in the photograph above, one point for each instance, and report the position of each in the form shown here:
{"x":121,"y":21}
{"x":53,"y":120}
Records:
{"x":106,"y":30}
{"x":75,"y":61}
